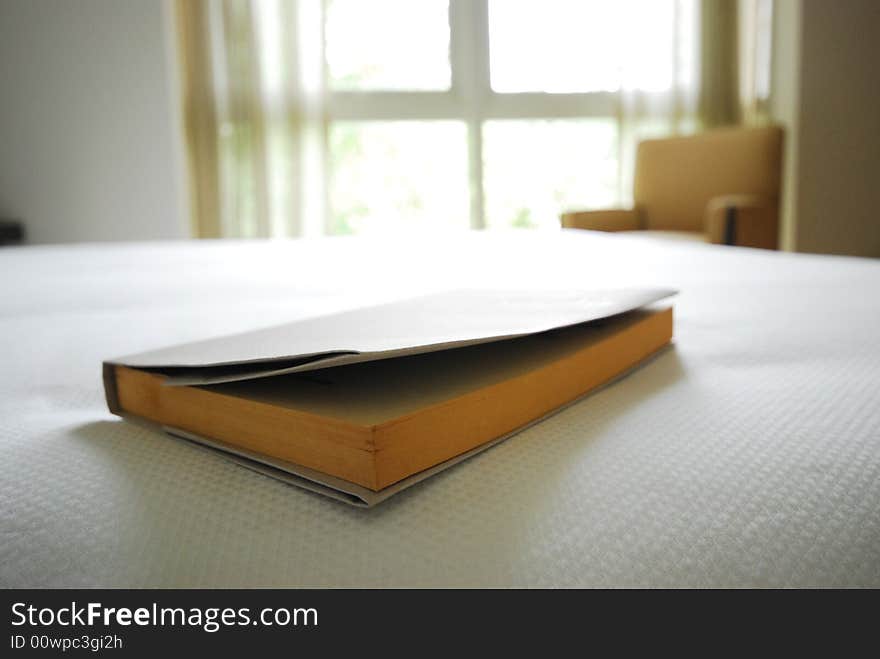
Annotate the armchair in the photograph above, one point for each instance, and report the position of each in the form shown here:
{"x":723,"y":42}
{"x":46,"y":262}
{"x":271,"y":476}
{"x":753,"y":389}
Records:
{"x":721,"y":186}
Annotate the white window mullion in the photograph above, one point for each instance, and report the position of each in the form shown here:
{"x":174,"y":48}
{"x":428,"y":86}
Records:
{"x":539,"y":105}
{"x":389,"y":106}
{"x":469,"y":57}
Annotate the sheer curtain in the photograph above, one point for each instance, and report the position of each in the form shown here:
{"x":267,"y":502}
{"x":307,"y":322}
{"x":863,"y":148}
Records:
{"x":755,"y":23}
{"x":253,"y":114}
{"x":257,"y":113}
{"x":673,"y":108}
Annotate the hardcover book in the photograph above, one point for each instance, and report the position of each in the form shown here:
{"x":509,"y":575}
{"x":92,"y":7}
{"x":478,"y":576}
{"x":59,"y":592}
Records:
{"x":361,"y":404}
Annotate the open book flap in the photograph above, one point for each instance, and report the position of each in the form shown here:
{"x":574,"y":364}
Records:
{"x":436,"y":322}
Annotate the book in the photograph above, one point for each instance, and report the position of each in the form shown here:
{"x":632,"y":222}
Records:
{"x":362,"y":404}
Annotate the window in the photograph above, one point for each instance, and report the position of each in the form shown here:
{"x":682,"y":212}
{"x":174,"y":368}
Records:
{"x":582,"y":46}
{"x":398,"y":176}
{"x":578,"y":168}
{"x":405,"y":48}
{"x":367,"y":116}
{"x":488,"y":113}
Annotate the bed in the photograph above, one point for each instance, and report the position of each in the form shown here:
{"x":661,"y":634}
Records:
{"x":746,"y":455}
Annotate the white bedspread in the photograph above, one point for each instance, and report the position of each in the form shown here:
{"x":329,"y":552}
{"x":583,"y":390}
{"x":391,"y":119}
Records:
{"x":749,"y":455}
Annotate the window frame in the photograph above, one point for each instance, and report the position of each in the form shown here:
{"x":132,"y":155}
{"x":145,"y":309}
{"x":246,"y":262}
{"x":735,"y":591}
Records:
{"x":470,"y":98}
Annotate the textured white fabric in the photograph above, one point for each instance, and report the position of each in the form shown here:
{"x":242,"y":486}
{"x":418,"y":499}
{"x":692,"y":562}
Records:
{"x":749,"y":455}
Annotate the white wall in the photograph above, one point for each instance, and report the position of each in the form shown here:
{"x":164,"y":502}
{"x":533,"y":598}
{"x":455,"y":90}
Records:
{"x":826,"y":91}
{"x":89,"y":133}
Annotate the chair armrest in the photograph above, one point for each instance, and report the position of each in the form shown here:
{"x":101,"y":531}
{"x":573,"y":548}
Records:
{"x":743,"y":220}
{"x":602,"y":220}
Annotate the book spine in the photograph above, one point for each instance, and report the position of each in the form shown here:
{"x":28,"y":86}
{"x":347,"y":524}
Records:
{"x":111,"y":394}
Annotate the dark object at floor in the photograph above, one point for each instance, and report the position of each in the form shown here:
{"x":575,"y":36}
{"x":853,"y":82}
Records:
{"x":11,"y":233}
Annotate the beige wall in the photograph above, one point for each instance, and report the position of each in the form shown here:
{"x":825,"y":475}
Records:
{"x":826,"y":91}
{"x":88,"y":121}
{"x":839,"y":192}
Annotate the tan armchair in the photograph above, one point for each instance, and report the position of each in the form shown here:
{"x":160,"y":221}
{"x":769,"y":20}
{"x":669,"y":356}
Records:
{"x":721,"y":186}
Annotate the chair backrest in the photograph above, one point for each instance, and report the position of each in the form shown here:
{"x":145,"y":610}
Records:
{"x":676,"y":177}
